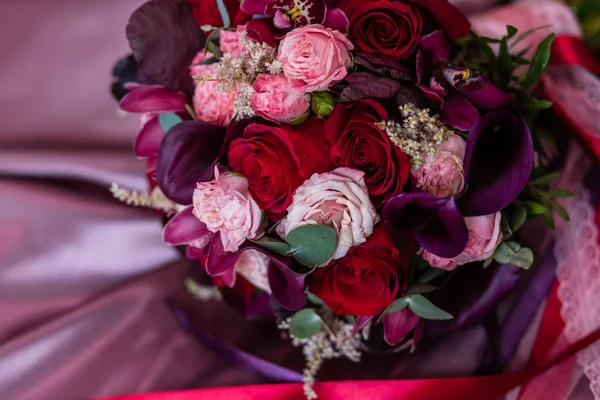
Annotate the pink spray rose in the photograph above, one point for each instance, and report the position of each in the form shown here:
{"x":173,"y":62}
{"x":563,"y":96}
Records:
{"x":224,"y":205}
{"x":277,"y":99}
{"x":442,"y":173}
{"x":315,"y":55}
{"x":484,"y":236}
{"x":211,"y":105}
{"x":339,"y":199}
{"x":230,"y":42}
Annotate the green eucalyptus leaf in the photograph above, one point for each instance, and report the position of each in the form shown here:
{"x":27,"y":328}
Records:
{"x":274,"y":245}
{"x":316,"y":300}
{"x":397,"y":305}
{"x":427,"y":310}
{"x":545,"y":179}
{"x":522,"y":258}
{"x":168,"y":120}
{"x":534,"y":208}
{"x":518,"y":218}
{"x":505,"y":227}
{"x":312,"y":245}
{"x":503,"y":254}
{"x":539,"y":62}
{"x":305,"y":323}
{"x":488,"y":262}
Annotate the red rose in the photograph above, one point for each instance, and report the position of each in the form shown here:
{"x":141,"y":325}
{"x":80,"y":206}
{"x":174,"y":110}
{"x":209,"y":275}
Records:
{"x":394,"y":27}
{"x":356,"y":142}
{"x":367,"y":280}
{"x":276,"y":160}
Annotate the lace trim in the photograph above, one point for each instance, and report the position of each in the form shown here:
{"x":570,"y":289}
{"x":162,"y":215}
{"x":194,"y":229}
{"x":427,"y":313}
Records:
{"x":578,"y":255}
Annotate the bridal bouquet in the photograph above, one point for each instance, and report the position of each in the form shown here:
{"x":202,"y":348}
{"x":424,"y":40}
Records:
{"x":339,"y":160}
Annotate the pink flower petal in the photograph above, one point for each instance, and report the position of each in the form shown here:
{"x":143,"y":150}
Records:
{"x":148,"y":140}
{"x":185,"y":228}
{"x":153,"y":99}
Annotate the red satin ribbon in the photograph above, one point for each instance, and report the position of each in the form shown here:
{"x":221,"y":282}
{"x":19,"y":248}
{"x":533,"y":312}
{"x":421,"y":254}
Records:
{"x":568,"y":49}
{"x":468,"y":388}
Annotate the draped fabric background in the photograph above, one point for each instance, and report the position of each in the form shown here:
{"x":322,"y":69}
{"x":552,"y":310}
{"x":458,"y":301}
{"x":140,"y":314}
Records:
{"x":83,"y":279}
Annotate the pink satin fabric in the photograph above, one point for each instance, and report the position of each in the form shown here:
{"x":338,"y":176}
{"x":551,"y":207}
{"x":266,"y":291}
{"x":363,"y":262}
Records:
{"x":83,"y":278}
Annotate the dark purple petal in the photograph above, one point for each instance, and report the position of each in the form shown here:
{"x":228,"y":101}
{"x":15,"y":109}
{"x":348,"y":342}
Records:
{"x":366,"y":85}
{"x":187,"y":155}
{"x":255,"y":7}
{"x":436,"y":223}
{"x":219,"y":261}
{"x":498,"y":163}
{"x":261,"y":30}
{"x":396,"y":326}
{"x":383,"y":66}
{"x":490,"y":97}
{"x":185,"y":228}
{"x":164,"y":38}
{"x":148,"y":140}
{"x":436,"y":47}
{"x":458,"y":112}
{"x":470,"y":295}
{"x":337,"y":19}
{"x":153,"y":99}
{"x":286,"y":284}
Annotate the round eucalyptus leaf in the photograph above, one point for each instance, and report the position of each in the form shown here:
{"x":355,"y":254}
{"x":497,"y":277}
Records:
{"x":305,"y":323}
{"x":426,"y":309}
{"x":312,"y":245}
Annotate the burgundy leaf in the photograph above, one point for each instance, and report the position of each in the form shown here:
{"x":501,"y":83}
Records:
{"x":366,"y":85}
{"x":164,"y":38}
{"x":435,"y":222}
{"x":498,"y":163}
{"x":383,"y":66}
{"x":187,"y":155}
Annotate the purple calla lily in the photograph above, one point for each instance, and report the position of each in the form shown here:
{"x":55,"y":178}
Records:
{"x":498,"y":163}
{"x":187,"y":155}
{"x":436,"y":223}
{"x":185,"y":229}
{"x":397,"y":325}
{"x":289,"y":14}
{"x":460,"y":92}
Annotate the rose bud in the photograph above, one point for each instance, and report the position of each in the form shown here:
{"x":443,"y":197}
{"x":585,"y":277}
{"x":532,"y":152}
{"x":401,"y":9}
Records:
{"x":322,"y":104}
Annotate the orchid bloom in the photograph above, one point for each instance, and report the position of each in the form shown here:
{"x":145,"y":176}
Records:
{"x":289,"y":14}
{"x":459,"y":91}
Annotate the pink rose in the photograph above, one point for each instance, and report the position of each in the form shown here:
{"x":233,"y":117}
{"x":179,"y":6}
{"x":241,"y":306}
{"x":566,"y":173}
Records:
{"x":224,"y":205}
{"x":254,"y":266}
{"x":339,"y":199}
{"x":277,"y":99}
{"x":230,"y":42}
{"x":210,"y":105}
{"x":315,"y":55}
{"x":484,"y":236}
{"x":442,"y":173}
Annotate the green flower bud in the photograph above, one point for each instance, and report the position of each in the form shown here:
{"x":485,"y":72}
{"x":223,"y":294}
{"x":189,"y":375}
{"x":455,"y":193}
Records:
{"x":322,"y":103}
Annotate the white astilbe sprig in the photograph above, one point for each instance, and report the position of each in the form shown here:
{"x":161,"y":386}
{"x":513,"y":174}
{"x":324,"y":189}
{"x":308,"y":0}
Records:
{"x":237,"y":74}
{"x":155,"y":199}
{"x":418,"y":134}
{"x":203,"y":292}
{"x":334,"y":340}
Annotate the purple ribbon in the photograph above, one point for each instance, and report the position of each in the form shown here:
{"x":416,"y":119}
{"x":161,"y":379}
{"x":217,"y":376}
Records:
{"x":266,"y":369}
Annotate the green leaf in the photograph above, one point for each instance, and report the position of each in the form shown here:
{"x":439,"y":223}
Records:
{"x":488,"y":262}
{"x":534,"y":106}
{"x":505,"y":64}
{"x":420,"y":289}
{"x":559,"y":193}
{"x":560,"y":210}
{"x":518,"y":218}
{"x":539,"y":62}
{"x":430,"y":275}
{"x":549,"y":219}
{"x":168,"y":120}
{"x":513,"y":253}
{"x":316,"y":300}
{"x":534,"y":208}
{"x":275,"y":246}
{"x":427,"y":310}
{"x":512,"y":31}
{"x":505,"y":227}
{"x":545,"y":179}
{"x":397,"y":305}
{"x":305,"y":323}
{"x":301,"y":119}
{"x":312,"y":245}
{"x":523,"y":258}
{"x":224,"y":13}
{"x":519,"y":60}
